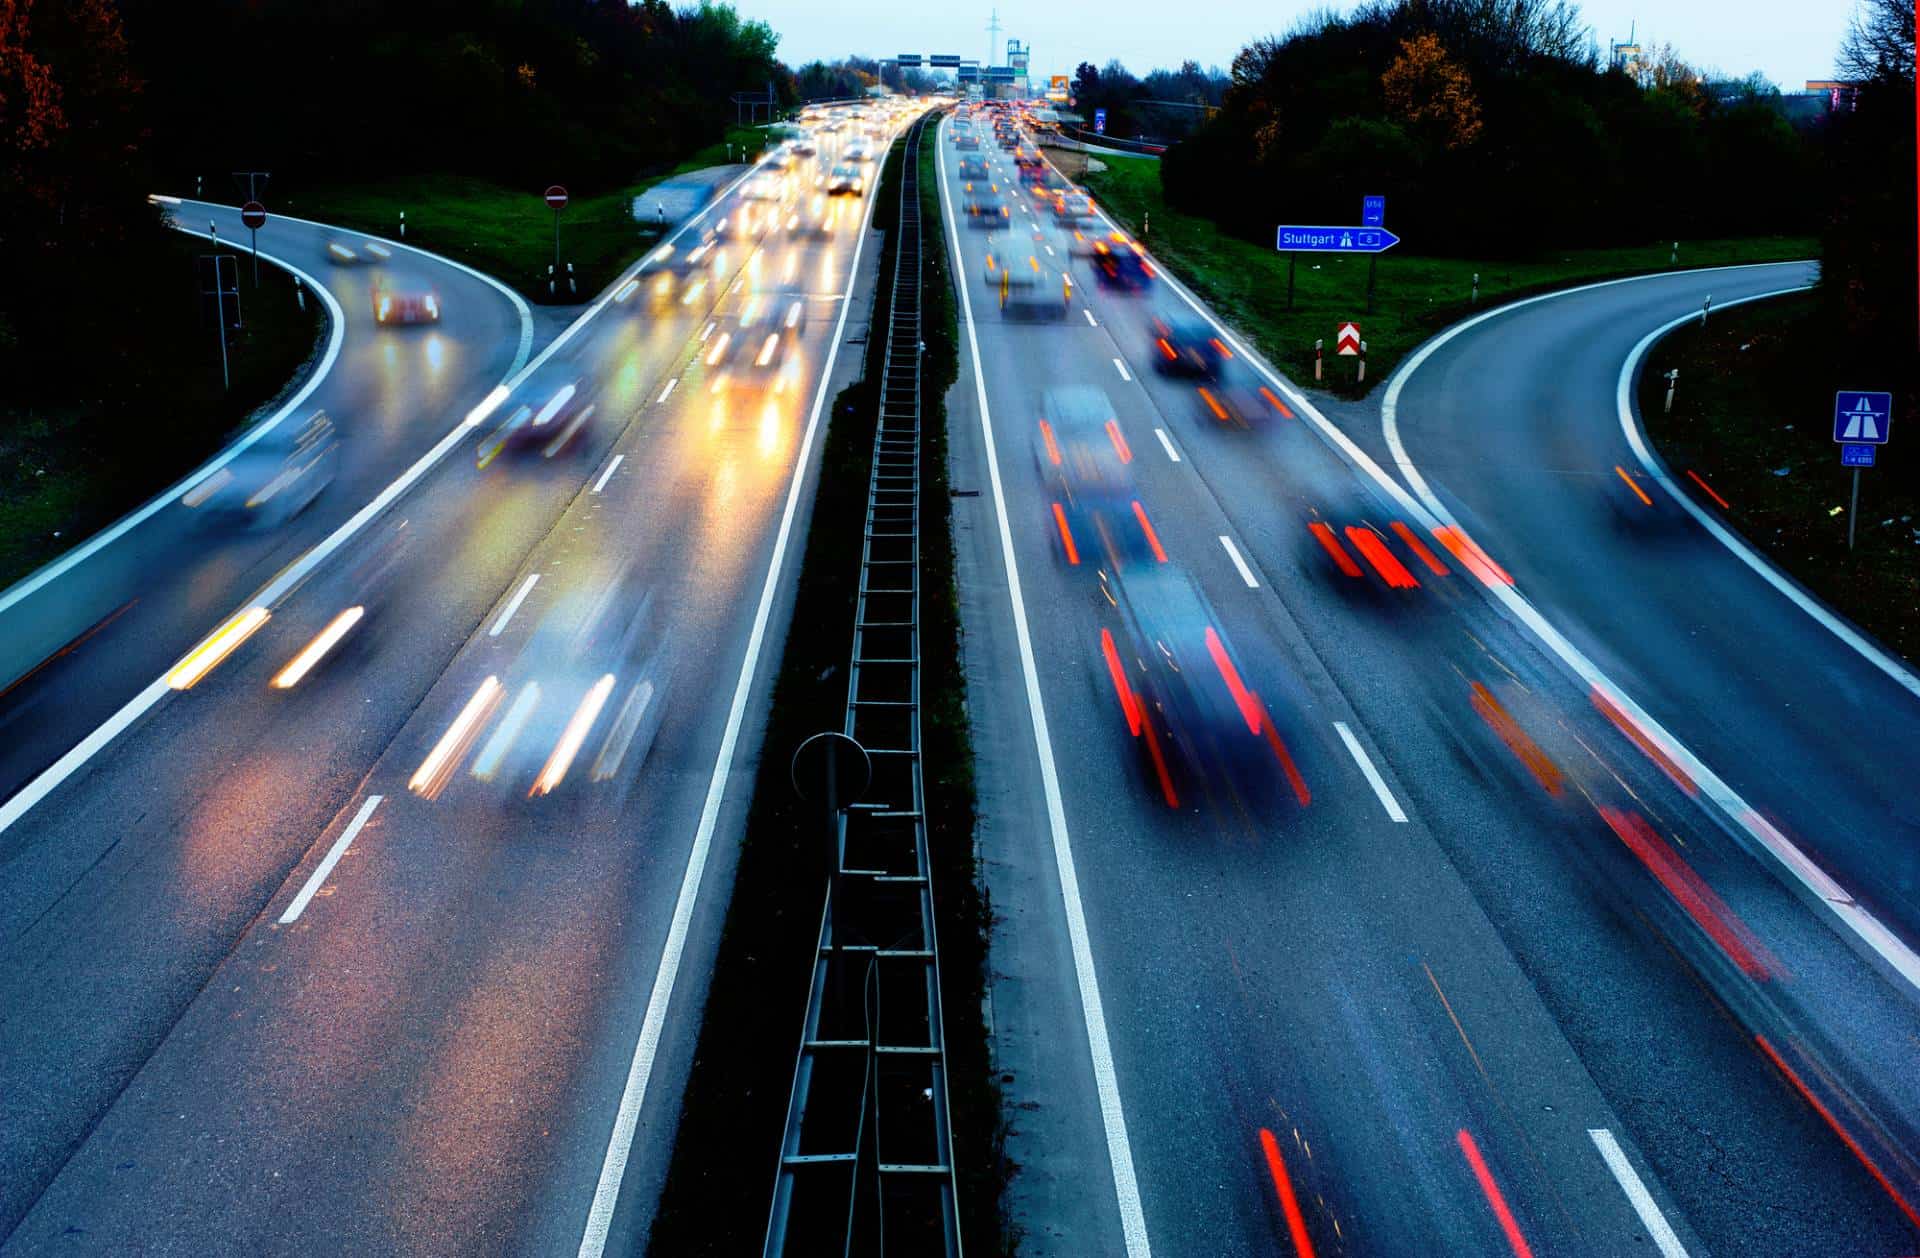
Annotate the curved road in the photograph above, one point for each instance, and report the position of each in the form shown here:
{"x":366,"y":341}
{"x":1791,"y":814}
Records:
{"x":1503,"y":976}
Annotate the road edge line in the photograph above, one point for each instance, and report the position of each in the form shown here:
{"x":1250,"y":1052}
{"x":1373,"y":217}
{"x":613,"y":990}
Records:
{"x":1657,"y":469}
{"x":1133,"y":1221}
{"x":613,"y":1167}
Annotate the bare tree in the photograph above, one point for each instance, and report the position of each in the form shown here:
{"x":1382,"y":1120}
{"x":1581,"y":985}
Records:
{"x":1879,"y":42}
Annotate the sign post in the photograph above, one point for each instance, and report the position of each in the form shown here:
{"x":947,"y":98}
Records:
{"x":1861,"y":421}
{"x":1373,"y":213}
{"x":254,"y":215}
{"x":556,"y":201}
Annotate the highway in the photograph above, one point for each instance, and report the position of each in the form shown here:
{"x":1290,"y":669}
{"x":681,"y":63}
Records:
{"x":1499,"y":972}
{"x":367,"y":935}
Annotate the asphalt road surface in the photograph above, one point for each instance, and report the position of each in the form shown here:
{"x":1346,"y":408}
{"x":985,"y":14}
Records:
{"x":383,"y":958}
{"x":1498,"y":972}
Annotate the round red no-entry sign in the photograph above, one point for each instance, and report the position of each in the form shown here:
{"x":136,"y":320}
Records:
{"x":254,"y":215}
{"x":557,"y":197}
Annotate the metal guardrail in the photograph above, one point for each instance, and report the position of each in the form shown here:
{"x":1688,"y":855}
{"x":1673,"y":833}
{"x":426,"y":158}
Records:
{"x":866,"y":1161}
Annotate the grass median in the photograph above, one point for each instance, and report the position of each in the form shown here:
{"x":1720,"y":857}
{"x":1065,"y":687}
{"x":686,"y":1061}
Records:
{"x":1414,"y":295}
{"x":84,"y":451}
{"x":508,"y":232}
{"x":1751,"y":418}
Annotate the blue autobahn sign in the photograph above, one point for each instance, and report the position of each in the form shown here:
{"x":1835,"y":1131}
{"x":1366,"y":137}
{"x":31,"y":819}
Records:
{"x":1334,"y":239}
{"x":1373,"y":211}
{"x":1862,"y":418}
{"x":1857,"y":456}
{"x":1100,"y":121}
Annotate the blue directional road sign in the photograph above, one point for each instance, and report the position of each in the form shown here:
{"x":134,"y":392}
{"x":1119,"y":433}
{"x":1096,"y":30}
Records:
{"x":1373,"y":211}
{"x":1334,"y":239}
{"x":1862,"y":418}
{"x":1099,"y":122}
{"x":1857,"y":456}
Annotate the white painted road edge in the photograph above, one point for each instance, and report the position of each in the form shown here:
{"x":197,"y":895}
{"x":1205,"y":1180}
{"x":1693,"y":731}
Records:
{"x":56,"y":568}
{"x":607,"y":475}
{"x":513,"y":604}
{"x":1126,"y":1186}
{"x":332,"y":858}
{"x":50,"y":778}
{"x":613,"y":1169}
{"x":1657,"y":469}
{"x":1848,"y":912}
{"x":1167,"y":444}
{"x":1642,"y":1201}
{"x":1378,"y":783}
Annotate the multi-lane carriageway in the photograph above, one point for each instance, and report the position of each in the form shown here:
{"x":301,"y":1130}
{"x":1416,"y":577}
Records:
{"x":1498,"y":967}
{"x":1507,"y":976}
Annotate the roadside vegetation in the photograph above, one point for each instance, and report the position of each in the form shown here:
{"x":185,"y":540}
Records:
{"x":149,"y":406}
{"x":105,"y":101}
{"x":1414,"y":295}
{"x":1756,"y":388}
{"x":1751,"y":417}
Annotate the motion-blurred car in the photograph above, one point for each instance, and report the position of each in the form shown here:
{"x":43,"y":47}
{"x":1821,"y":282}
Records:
{"x":985,"y":207}
{"x":804,"y":145}
{"x":1118,"y":262}
{"x":1026,"y":155}
{"x":819,"y":218}
{"x":1028,"y":282}
{"x":272,"y":480}
{"x":1184,"y":344}
{"x":860,"y":150}
{"x":357,"y":252}
{"x":846,"y":180}
{"x":395,"y":304}
{"x":1235,"y":396}
{"x":1072,"y":208}
{"x":549,"y":412}
{"x":1085,"y":464}
{"x":766,"y":185}
{"x":973,"y":168}
{"x":1183,"y":693}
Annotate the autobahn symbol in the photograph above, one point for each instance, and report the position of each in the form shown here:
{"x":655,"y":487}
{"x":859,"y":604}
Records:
{"x":1862,"y":418}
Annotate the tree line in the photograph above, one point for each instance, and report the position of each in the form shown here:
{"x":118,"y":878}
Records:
{"x":102,"y":102}
{"x":1491,"y":127}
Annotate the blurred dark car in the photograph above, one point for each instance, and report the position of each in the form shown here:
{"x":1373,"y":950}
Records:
{"x":1184,"y":344}
{"x":973,"y":168}
{"x":272,"y":480}
{"x":1120,"y":263}
{"x":985,"y":207}
{"x":1184,"y":694}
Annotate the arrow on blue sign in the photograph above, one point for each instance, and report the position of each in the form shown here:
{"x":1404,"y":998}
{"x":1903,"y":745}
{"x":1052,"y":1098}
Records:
{"x":1334,"y":239}
{"x":1373,"y":211}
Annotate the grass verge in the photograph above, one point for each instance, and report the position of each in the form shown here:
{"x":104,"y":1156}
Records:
{"x":728,"y":1139}
{"x":93,"y":449}
{"x":508,"y":232}
{"x":1750,"y":416}
{"x":1414,"y":296}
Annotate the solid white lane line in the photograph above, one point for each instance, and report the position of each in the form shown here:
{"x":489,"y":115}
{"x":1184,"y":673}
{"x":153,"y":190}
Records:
{"x":1233,"y":553}
{"x":1091,"y":322}
{"x":707,"y":332}
{"x":1122,"y":369}
{"x":1643,"y":1203}
{"x":166,"y":498}
{"x":608,"y":474}
{"x":1167,"y":444}
{"x":513,"y":604}
{"x":1431,"y":513}
{"x":1126,"y":1186}
{"x":327,"y":862}
{"x":668,"y":391}
{"x":613,"y":1169}
{"x":50,"y":778}
{"x":1656,"y":468}
{"x":1378,"y":783}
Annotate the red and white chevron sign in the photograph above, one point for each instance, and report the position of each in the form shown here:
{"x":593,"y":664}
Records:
{"x":1347,"y":340}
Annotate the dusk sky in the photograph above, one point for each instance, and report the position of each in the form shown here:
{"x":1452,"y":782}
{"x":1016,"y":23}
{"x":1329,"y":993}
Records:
{"x":1789,"y":41}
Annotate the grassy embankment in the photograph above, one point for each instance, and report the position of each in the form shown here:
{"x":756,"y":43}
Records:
{"x":1414,"y":296}
{"x":1750,"y":416}
{"x":715,"y":1200}
{"x":508,"y":232}
{"x":88,"y":450}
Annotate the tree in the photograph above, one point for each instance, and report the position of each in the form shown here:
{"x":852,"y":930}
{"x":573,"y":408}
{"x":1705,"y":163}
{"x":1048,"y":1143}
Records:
{"x":1878,"y":46}
{"x":1427,"y":89}
{"x":1086,"y":82}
